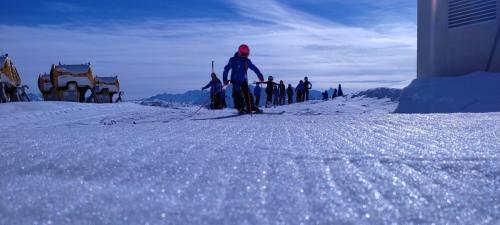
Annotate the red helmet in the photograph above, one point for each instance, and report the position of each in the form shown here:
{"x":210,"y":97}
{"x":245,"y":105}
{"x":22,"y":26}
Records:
{"x":244,"y":50}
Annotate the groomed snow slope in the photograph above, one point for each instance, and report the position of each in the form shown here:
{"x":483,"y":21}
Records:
{"x":339,"y":162}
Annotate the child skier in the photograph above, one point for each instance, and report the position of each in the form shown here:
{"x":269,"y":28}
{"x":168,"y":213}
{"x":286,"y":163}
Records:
{"x":215,"y":86}
{"x":239,"y":65}
{"x":269,"y":90}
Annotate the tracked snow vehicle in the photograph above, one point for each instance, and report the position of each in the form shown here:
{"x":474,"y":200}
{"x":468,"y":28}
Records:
{"x":47,"y":88}
{"x":71,"y":82}
{"x":105,"y":88}
{"x":11,"y":89}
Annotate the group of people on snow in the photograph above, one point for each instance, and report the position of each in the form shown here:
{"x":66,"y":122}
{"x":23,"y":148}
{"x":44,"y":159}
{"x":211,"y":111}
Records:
{"x":336,"y":93}
{"x":278,"y":93}
{"x":244,"y":100}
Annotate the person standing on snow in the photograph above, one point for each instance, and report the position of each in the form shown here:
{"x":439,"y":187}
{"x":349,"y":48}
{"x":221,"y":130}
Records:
{"x":282,"y":92}
{"x":215,"y":92}
{"x":289,"y":91}
{"x":239,"y":65}
{"x":300,"y":90}
{"x":325,"y":96}
{"x":308,"y":86}
{"x":335,"y":95}
{"x":256,"y":93}
{"x":340,"y":93}
{"x":269,"y":90}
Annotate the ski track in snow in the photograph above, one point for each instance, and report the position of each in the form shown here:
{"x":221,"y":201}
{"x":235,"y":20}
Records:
{"x":347,"y":161}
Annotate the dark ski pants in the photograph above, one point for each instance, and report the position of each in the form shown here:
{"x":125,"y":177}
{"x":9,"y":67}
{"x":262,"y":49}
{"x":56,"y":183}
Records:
{"x":300,"y":97}
{"x":216,"y":101}
{"x":242,"y":97}
{"x":307,"y":95}
{"x":269,"y":99}
{"x":290,"y":99}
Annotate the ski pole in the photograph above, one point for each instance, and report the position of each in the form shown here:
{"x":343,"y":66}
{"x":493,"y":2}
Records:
{"x":205,"y":104}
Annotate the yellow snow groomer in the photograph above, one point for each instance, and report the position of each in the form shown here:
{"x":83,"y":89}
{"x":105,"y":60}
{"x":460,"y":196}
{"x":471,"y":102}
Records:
{"x":10,"y":82}
{"x":71,"y":82}
{"x":105,"y":88}
{"x":46,"y":88}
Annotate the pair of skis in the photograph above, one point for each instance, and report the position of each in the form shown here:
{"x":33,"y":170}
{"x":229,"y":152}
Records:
{"x":238,"y":115}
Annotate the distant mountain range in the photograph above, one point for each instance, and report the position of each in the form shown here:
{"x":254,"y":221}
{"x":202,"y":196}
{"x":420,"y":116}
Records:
{"x":203,"y":97}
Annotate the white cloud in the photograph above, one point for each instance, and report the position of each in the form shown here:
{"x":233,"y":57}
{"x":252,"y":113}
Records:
{"x":175,"y":55}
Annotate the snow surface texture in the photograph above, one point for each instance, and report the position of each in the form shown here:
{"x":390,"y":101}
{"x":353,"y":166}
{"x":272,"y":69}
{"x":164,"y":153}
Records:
{"x":477,"y":92}
{"x":347,"y":161}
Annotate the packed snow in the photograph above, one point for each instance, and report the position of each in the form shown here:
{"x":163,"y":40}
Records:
{"x":347,"y":161}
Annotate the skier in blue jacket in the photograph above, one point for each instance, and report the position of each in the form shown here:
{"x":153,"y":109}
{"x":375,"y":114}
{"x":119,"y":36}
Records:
{"x":300,"y":90}
{"x":215,"y":86}
{"x":239,"y":65}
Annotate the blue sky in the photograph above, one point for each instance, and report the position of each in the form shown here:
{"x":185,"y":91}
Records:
{"x":158,"y":46}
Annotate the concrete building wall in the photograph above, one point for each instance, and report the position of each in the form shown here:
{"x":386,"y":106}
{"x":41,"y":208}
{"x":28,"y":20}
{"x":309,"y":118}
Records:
{"x":450,"y":48}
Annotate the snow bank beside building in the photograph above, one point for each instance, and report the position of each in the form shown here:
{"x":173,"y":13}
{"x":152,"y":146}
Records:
{"x":475,"y":93}
{"x":380,"y":93}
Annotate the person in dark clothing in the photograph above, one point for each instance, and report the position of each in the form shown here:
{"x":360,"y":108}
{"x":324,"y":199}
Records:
{"x":300,"y":90}
{"x":340,"y":93}
{"x":289,"y":91}
{"x":308,"y":86}
{"x":239,"y":65}
{"x":282,"y":92}
{"x":335,"y":95}
{"x":215,"y":86}
{"x":270,"y":86}
{"x":325,"y":96}
{"x":256,"y":93}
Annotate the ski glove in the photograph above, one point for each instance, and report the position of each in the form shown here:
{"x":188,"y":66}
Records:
{"x":226,"y":82}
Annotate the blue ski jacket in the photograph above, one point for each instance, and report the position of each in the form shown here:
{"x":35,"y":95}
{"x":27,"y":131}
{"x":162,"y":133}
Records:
{"x":215,"y":86}
{"x":239,"y":69}
{"x":257,"y":90}
{"x":301,"y":88}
